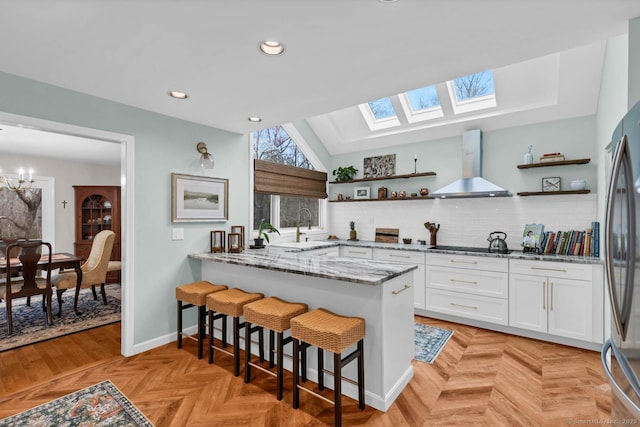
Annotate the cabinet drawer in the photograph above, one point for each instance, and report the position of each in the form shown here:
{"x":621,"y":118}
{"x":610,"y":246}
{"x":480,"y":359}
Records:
{"x":356,"y":252}
{"x":468,"y":261}
{"x":410,"y":257}
{"x":488,"y":283}
{"x":487,"y":309}
{"x":564,"y":270}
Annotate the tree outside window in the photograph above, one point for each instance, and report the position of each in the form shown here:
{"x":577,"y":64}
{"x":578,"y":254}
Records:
{"x":275,"y":145}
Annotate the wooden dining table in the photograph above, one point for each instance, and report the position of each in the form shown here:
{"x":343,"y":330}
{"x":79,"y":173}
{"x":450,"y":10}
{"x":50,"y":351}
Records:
{"x":61,"y":260}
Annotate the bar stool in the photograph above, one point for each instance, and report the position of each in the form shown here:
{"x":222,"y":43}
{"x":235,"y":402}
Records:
{"x":275,"y":315}
{"x":332,"y":332}
{"x":194,"y":295}
{"x":230,"y":303}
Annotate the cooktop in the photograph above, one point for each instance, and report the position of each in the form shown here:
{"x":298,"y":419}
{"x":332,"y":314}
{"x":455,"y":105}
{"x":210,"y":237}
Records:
{"x":465,"y":249}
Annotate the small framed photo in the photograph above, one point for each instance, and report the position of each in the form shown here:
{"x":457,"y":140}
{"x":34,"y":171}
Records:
{"x":551,"y":183}
{"x":361,"y":193}
{"x":199,"y":198}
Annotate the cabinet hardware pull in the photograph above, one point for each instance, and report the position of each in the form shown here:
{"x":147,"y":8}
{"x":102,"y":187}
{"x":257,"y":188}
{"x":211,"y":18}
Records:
{"x":544,"y":295}
{"x":398,"y":256}
{"x":356,"y":252}
{"x":401,"y":290}
{"x":465,"y":306}
{"x":463,"y":281}
{"x":464,"y":262}
{"x":549,"y":269}
{"x":551,"y":297}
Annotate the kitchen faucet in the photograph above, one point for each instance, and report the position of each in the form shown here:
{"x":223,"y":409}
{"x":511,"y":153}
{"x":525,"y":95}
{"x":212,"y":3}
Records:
{"x":298,"y":232}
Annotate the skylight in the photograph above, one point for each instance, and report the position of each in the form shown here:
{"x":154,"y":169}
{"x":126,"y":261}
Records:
{"x":423,"y":99}
{"x":473,"y":92}
{"x":382,"y":109}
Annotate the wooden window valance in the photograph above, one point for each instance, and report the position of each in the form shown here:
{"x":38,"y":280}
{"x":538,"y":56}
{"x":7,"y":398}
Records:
{"x":285,"y":180}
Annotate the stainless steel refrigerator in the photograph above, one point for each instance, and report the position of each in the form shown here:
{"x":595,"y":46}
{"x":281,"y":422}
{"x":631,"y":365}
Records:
{"x":621,"y":353}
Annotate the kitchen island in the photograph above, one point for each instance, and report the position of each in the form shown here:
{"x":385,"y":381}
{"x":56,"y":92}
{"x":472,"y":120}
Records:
{"x":379,"y":292}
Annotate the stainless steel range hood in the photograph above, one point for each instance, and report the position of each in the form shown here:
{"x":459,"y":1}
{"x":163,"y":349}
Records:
{"x":471,"y":184}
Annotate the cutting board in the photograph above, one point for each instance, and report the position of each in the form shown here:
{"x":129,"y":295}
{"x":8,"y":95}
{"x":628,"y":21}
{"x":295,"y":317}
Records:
{"x":387,"y":235}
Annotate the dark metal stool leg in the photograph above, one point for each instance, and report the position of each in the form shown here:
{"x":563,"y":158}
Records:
{"x":296,"y":372}
{"x":280,"y":369}
{"x":179,"y":324}
{"x":361,"y":374}
{"x":320,"y":369}
{"x":201,"y":324}
{"x":211,"y":316}
{"x":337,"y":389}
{"x":236,"y":346}
{"x":247,"y":351}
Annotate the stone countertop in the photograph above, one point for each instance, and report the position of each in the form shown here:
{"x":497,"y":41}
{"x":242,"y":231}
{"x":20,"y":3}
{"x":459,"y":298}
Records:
{"x":367,"y":272}
{"x":416,"y":247}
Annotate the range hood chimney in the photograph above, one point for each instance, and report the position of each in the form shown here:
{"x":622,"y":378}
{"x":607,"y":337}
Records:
{"x":471,"y":184}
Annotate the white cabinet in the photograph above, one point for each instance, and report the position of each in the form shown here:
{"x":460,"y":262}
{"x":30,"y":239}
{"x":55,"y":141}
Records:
{"x":356,"y":252}
{"x":419,"y":275}
{"x":473,"y":287}
{"x":552,"y":297}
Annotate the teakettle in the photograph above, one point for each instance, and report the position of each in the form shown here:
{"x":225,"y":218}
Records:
{"x":498,"y":244}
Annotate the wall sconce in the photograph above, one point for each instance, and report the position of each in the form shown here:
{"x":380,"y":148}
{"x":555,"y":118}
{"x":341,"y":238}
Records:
{"x":206,"y":159}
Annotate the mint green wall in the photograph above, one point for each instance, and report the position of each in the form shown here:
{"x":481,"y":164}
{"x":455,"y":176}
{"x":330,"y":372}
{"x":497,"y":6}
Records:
{"x":503,"y":150}
{"x":162,"y":145}
{"x":314,"y":143}
{"x":634,"y":61}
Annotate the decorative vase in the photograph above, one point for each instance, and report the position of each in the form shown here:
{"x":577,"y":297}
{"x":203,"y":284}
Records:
{"x":382,"y":193}
{"x":353,"y":235}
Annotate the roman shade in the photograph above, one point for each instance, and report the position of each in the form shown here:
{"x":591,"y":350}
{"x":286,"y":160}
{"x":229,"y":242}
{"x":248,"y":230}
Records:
{"x":285,"y":180}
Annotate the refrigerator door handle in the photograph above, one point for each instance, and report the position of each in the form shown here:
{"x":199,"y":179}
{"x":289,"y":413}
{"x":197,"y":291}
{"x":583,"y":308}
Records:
{"x":621,"y":160}
{"x":618,"y":393}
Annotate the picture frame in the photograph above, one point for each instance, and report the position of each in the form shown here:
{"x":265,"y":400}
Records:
{"x":379,"y":166}
{"x":531,"y":237}
{"x":360,"y":193}
{"x":199,"y":198}
{"x":550,"y":183}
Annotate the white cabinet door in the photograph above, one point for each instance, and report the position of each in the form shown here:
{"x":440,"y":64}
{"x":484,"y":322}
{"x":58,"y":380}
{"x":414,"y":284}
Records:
{"x":528,"y":302}
{"x":559,"y":307}
{"x":419,"y":275}
{"x":332,"y":251}
{"x":356,"y":252}
{"x":570,"y":308}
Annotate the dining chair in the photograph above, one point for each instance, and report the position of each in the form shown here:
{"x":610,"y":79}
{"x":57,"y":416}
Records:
{"x":94,"y":269}
{"x":31,"y":282}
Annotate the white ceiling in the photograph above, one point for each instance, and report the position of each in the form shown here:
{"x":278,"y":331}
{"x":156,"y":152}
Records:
{"x":338,"y":53}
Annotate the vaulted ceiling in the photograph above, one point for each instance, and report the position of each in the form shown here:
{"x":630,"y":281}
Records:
{"x":337,"y":54}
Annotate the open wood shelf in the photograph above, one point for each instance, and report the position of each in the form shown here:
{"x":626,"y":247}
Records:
{"x":383,"y":200}
{"x":552,"y":193}
{"x":381,"y":178}
{"x":557,"y":163}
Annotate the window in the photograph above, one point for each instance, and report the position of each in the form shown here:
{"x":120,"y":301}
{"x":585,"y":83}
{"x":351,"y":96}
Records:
{"x":283,"y":211}
{"x":473,"y":92}
{"x":382,"y":109}
{"x":421,"y":104}
{"x":379,"y":114}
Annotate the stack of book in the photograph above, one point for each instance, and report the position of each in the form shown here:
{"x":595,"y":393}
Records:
{"x":572,"y":242}
{"x":552,"y":157}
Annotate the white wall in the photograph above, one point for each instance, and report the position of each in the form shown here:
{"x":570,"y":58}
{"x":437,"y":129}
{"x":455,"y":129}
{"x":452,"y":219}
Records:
{"x":469,"y":221}
{"x":65,"y":174}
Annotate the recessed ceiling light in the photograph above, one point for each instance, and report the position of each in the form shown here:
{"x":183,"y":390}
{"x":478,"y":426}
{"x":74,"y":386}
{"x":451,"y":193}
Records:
{"x":254,"y":119}
{"x":178,"y":95}
{"x":271,"y":47}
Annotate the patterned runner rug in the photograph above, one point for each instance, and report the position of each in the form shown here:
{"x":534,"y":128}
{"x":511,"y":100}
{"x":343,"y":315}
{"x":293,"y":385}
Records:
{"x":429,"y":341}
{"x":30,"y":326}
{"x":98,"y":405}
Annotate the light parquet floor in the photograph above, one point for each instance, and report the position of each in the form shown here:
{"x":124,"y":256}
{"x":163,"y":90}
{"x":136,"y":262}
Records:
{"x":481,"y":378}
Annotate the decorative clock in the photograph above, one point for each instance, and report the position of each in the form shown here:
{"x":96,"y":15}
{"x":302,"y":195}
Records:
{"x":551,"y":183}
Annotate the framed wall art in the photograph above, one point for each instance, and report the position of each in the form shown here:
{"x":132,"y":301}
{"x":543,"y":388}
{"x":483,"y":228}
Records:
{"x":361,"y":193}
{"x":199,"y":198}
{"x":375,"y":167}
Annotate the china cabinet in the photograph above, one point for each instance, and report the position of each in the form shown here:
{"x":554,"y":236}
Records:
{"x":97,"y":208}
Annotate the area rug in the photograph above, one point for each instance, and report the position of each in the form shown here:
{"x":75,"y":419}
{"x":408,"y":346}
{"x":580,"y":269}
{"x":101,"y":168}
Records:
{"x":98,"y":405}
{"x":30,"y":326}
{"x":429,"y":341}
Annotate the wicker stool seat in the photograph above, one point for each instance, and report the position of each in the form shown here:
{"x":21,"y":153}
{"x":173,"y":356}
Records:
{"x":230,"y":303}
{"x":335,"y":333}
{"x":275,"y":315}
{"x":195,"y":295}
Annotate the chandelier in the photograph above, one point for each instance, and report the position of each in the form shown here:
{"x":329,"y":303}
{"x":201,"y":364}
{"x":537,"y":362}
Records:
{"x":17,"y":185}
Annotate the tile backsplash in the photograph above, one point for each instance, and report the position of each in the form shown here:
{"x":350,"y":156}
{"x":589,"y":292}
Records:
{"x":465,"y":222}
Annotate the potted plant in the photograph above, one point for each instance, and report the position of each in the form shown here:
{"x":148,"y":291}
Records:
{"x":264,"y":228}
{"x":344,"y":173}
